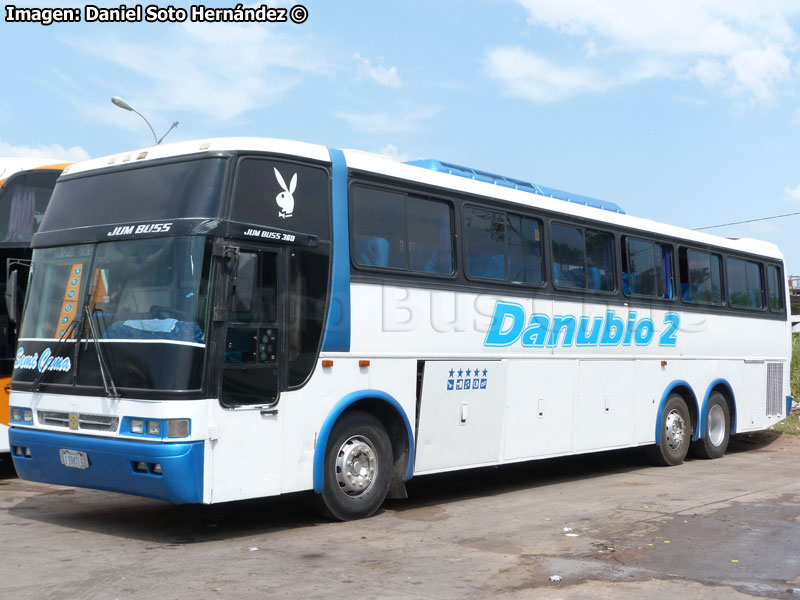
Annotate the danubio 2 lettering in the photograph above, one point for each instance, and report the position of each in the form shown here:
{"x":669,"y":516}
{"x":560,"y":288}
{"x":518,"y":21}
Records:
{"x":510,"y":326}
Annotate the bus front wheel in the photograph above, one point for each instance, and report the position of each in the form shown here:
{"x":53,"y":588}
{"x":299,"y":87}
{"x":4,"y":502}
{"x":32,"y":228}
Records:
{"x":676,"y":433}
{"x":357,"y":468}
{"x":717,"y":432}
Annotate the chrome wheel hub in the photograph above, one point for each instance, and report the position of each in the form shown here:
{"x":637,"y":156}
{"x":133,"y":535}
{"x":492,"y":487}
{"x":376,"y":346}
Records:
{"x":716,"y":425}
{"x":675,"y":429}
{"x":356,"y":465}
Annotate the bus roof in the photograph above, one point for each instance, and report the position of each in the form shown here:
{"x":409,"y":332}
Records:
{"x":516,"y":184}
{"x":512,"y":190}
{"x":9,"y":166}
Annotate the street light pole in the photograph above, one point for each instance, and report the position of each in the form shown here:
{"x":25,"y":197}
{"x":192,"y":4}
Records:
{"x":117,"y":101}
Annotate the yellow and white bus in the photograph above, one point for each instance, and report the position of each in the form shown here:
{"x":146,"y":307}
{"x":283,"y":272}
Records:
{"x":25,"y":188}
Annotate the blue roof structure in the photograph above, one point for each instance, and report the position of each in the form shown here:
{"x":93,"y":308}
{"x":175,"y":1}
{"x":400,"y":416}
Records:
{"x":517,"y":184}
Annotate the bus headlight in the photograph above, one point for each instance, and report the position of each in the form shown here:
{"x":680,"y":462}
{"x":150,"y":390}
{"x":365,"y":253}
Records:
{"x":177,"y":428}
{"x":16,"y":414}
{"x":154,"y":428}
{"x":27,"y":416}
{"x":137,"y":426}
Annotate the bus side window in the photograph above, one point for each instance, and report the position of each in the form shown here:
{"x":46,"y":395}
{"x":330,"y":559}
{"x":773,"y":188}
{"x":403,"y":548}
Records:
{"x":744,"y":283}
{"x":646,"y":268}
{"x":379,"y":228}
{"x":569,"y":256}
{"x":524,"y":249}
{"x":430,"y":239}
{"x":701,"y":276}
{"x":485,"y":232}
{"x":308,"y":289}
{"x":774,"y":289}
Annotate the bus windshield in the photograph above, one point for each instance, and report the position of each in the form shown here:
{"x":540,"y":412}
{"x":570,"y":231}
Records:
{"x":149,"y":291}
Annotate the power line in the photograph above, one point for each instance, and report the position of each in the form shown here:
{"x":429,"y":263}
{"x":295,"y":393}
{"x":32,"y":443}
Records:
{"x":748,"y":221}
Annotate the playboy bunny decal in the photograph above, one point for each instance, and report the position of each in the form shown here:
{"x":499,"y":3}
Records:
{"x":285,"y":199}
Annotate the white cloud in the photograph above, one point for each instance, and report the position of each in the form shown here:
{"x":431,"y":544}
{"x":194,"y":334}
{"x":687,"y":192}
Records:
{"x":384,"y":123}
{"x":689,"y":100}
{"x":57,"y":151}
{"x":391,"y":151}
{"x":530,"y":76}
{"x":792,"y":194}
{"x":380,"y":74}
{"x":743,"y":48}
{"x":218,"y":70}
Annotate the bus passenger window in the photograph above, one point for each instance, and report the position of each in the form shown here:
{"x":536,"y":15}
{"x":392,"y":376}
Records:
{"x":378,"y":228}
{"x":569,"y":256}
{"x":646,"y":269}
{"x":485,"y":232}
{"x":701,"y":276}
{"x":744,"y":283}
{"x":582,"y":259}
{"x":774,"y":289}
{"x":430,"y":245}
{"x":599,"y":260}
{"x":397,"y":231}
{"x":524,"y":249}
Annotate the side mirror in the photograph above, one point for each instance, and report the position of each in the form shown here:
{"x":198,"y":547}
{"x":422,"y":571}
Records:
{"x":11,"y":296}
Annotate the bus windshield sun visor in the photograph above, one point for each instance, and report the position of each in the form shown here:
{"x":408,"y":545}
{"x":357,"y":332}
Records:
{"x":186,"y":189}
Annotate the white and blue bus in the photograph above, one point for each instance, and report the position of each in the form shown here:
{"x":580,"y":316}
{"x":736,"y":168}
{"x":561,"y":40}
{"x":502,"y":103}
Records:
{"x":236,"y":318}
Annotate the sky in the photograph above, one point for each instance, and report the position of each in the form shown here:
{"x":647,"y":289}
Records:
{"x":681,"y":111}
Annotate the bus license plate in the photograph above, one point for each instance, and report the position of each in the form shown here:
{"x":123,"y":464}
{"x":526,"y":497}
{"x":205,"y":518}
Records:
{"x":75,"y":459}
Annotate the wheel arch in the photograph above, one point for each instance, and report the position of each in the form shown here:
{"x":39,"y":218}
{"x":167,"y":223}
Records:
{"x":685,"y":391}
{"x":723,"y":387}
{"x":390,"y":413}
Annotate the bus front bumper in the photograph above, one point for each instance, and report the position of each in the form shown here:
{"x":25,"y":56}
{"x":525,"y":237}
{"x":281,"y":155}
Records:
{"x":167,"y":471}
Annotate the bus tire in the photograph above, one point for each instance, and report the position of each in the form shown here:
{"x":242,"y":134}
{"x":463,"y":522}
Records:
{"x":676,"y":433}
{"x":357,"y":468}
{"x":717,"y":432}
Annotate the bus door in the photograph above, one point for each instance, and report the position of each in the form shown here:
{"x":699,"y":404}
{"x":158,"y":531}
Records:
{"x":253,"y":367}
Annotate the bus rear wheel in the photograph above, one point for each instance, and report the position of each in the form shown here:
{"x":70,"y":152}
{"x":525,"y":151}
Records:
{"x":675,"y":435}
{"x":357,"y":467}
{"x":717,"y":432}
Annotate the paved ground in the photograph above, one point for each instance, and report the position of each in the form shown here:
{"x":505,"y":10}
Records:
{"x":609,"y":525}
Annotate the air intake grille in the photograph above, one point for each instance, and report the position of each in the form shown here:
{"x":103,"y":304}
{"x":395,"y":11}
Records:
{"x":85,"y":422}
{"x":774,"y":386}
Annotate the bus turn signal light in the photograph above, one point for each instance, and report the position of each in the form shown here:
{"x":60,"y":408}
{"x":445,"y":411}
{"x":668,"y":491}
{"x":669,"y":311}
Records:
{"x":327,"y":364}
{"x":363,"y":363}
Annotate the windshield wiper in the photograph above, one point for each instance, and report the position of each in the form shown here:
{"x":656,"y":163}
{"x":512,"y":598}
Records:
{"x":61,"y":341}
{"x":105,"y":370}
